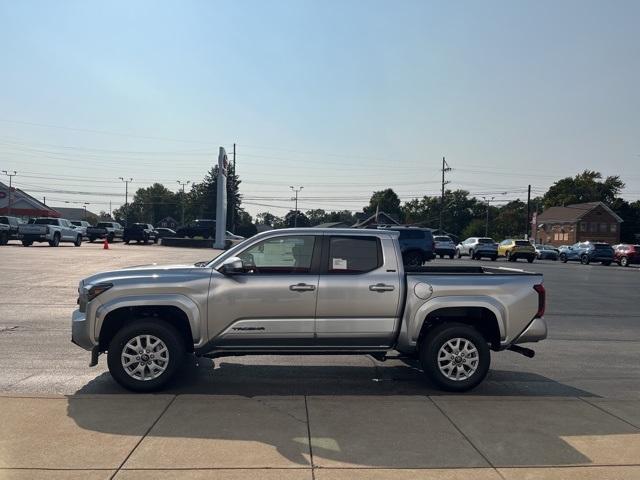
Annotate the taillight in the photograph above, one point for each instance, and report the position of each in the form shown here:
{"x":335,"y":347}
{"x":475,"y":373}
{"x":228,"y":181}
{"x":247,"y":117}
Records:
{"x":542,"y":300}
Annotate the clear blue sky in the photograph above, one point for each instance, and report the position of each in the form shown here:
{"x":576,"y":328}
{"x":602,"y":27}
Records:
{"x":343,"y":97}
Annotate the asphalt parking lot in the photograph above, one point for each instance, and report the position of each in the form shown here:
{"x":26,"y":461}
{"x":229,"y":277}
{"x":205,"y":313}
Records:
{"x":589,"y":366}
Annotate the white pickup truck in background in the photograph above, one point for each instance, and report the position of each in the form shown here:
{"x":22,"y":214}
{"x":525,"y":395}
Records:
{"x":51,"y":230}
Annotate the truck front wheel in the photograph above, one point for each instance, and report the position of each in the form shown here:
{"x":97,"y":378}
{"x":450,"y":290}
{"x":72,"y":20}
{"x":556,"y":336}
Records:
{"x":144,"y":355}
{"x":455,"y":356}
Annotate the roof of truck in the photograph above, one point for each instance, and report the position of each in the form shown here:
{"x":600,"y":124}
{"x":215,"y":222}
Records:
{"x":331,"y":231}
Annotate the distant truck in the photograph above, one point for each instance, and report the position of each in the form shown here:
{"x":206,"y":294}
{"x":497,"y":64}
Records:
{"x":198,"y":228}
{"x":140,"y":232}
{"x":108,"y":230}
{"x":51,"y":230}
{"x":12,"y":224}
{"x":81,"y":226}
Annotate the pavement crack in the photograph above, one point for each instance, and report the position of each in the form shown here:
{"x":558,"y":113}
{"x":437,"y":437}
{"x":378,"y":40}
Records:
{"x":143,"y":437}
{"x":609,"y":413}
{"x":306,"y":409}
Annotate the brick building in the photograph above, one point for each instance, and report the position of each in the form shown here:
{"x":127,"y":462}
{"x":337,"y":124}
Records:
{"x":581,"y":222}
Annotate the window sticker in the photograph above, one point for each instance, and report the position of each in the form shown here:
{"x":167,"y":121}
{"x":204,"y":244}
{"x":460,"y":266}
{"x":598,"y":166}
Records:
{"x":339,"y":264}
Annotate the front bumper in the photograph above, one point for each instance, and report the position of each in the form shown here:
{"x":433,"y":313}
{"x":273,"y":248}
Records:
{"x":80,"y":333}
{"x":535,"y":331}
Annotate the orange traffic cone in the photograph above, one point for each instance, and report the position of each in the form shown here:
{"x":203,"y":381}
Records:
{"x":105,"y":245}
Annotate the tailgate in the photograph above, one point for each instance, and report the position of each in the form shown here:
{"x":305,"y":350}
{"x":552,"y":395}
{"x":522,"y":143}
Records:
{"x":32,"y":229}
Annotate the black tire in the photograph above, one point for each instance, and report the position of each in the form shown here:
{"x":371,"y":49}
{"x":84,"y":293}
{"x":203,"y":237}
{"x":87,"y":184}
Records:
{"x":126,"y":240}
{"x":563,"y":258}
{"x":78,"y":241}
{"x":56,"y":240}
{"x":145,"y":239}
{"x":451,"y":256}
{"x":4,"y":238}
{"x":441,"y":255}
{"x":155,"y":240}
{"x":584,"y":259}
{"x":158,"y":328}
{"x":92,"y":239}
{"x":471,"y":254}
{"x":413,"y":259}
{"x":458,"y":254}
{"x":494,"y":258}
{"x":624,"y":262}
{"x":110,"y":238}
{"x":606,"y":264}
{"x":530,"y":259}
{"x":437,"y":338}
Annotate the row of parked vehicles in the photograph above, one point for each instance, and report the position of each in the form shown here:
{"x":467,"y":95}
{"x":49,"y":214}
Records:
{"x":60,"y":230}
{"x":419,"y":245}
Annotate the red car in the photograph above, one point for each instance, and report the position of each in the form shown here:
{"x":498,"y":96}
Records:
{"x":626,"y":255}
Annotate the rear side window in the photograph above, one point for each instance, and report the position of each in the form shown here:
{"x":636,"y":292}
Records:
{"x":354,"y":254}
{"x":411,"y":234}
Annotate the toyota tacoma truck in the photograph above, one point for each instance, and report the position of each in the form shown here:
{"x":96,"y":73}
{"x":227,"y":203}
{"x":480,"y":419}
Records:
{"x":108,"y":230}
{"x":51,"y":230}
{"x":308,"y":291}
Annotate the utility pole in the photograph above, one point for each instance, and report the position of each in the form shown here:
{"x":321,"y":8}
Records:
{"x":233,"y":204}
{"x":445,"y":168}
{"x":183,"y":184}
{"x":296,"y":190}
{"x":126,"y":198}
{"x":486,"y":224}
{"x":10,"y":175}
{"x":85,"y":210}
{"x":528,"y":234}
{"x":44,"y":201}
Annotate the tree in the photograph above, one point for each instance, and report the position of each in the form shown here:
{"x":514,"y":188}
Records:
{"x":584,"y":187}
{"x":290,"y":219}
{"x":316,"y":216}
{"x":386,"y":201}
{"x":510,"y":220}
{"x":202,"y":199}
{"x":459,"y":211}
{"x":266,"y":218}
{"x":244,"y":225}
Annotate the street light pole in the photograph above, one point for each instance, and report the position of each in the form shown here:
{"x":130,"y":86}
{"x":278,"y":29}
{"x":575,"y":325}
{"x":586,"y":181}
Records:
{"x":126,"y":198}
{"x":486,"y":225}
{"x":10,"y":175}
{"x":296,"y":190}
{"x":85,"y":210}
{"x":183,"y":184}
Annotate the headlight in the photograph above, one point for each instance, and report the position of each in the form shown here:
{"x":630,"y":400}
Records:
{"x":96,"y":290}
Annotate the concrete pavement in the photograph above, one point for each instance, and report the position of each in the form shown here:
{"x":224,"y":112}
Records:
{"x":322,"y":437}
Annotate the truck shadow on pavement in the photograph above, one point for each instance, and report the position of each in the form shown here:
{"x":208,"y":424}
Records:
{"x":290,"y":416}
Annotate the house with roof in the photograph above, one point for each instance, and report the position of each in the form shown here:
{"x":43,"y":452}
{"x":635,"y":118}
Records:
{"x":580,"y":222}
{"x":22,"y":204}
{"x":73,"y":213}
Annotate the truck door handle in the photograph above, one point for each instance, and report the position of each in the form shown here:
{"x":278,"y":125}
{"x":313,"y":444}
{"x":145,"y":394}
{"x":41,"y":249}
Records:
{"x":381,"y":287}
{"x":302,"y":287}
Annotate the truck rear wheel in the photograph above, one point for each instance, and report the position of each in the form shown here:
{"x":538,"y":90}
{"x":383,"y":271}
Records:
{"x":56,"y":240}
{"x":455,"y":356}
{"x":144,"y":355}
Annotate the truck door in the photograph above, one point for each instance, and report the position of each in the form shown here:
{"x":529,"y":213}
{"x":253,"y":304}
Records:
{"x":358,"y":292}
{"x":273,"y":302}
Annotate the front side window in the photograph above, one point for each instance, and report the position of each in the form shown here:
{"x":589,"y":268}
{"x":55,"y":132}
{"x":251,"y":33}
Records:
{"x":280,"y":255}
{"x":353,"y":254}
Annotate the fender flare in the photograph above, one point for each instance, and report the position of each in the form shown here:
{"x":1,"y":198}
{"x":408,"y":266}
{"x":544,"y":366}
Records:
{"x":438,"y":303}
{"x":184,"y":303}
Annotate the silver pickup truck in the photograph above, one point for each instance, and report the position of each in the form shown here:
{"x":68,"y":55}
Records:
{"x":51,"y":230}
{"x":308,"y":291}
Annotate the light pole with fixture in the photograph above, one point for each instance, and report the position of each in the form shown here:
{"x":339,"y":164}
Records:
{"x":126,"y":198}
{"x":296,"y":191}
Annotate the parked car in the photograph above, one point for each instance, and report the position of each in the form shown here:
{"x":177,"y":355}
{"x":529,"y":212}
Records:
{"x":626,"y":255}
{"x":587,"y":252}
{"x":444,"y":246}
{"x":515,"y":249}
{"x":12,"y":223}
{"x":163,"y":232}
{"x":51,"y":230}
{"x":4,"y":234}
{"x":232,"y":239}
{"x":198,"y":228}
{"x":108,"y":230}
{"x":308,"y":290}
{"x":546,"y":252}
{"x":81,"y":226}
{"x":478,"y":248}
{"x":416,"y":244}
{"x":140,"y":232}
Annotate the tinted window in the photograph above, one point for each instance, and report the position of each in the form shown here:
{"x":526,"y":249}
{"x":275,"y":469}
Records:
{"x":353,"y":254}
{"x":522,"y":243}
{"x":485,"y":240}
{"x":280,"y":255}
{"x":442,"y":239}
{"x":77,"y":224}
{"x":104,"y":224}
{"x":411,"y":234}
{"x":46,"y":221}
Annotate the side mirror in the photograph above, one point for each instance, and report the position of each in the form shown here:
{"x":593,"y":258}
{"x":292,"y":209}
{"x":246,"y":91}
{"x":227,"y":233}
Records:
{"x":232,"y":265}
